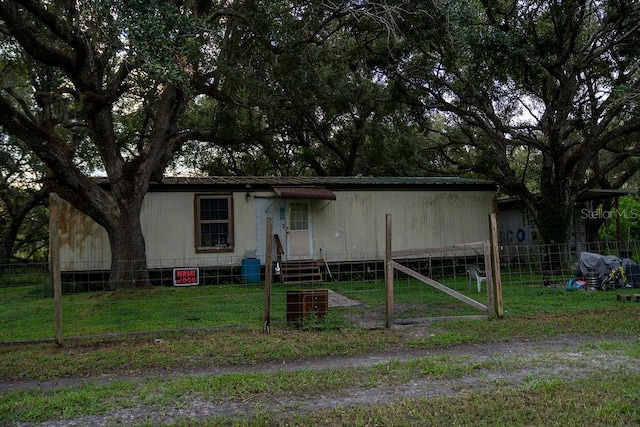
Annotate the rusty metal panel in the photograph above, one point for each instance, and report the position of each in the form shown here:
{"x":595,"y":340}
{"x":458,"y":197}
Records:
{"x":84,"y":244}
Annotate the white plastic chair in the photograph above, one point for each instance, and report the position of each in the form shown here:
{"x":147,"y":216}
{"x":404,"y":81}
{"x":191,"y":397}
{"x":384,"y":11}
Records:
{"x":476,"y":274}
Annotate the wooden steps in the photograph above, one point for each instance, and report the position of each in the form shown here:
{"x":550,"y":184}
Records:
{"x":300,"y":271}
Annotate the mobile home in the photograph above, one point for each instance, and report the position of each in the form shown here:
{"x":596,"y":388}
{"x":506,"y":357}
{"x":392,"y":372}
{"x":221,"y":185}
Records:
{"x":217,"y":221}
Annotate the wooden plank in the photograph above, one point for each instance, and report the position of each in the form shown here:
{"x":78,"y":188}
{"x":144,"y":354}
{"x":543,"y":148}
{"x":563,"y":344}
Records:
{"x":628,"y":297}
{"x":388,"y":265}
{"x":457,"y":295}
{"x":56,"y":281}
{"x":437,"y":249}
{"x":420,"y":320}
{"x":300,"y":271}
{"x":279,"y":248}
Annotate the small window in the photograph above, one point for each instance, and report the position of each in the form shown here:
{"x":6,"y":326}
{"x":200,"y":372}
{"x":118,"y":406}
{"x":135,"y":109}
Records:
{"x":298,"y":217}
{"x":214,"y":223}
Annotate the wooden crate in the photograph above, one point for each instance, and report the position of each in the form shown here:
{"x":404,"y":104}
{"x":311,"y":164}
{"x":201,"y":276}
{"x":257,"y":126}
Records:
{"x":629,"y":297}
{"x":306,"y":302}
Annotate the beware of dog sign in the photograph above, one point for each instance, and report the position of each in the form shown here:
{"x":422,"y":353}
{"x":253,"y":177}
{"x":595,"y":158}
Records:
{"x":186,"y":276}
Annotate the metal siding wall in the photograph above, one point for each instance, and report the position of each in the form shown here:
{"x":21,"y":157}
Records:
{"x":245,"y":231}
{"x":349,"y":228}
{"x":167,"y":224}
{"x":353,"y":225}
{"x":169,"y":229}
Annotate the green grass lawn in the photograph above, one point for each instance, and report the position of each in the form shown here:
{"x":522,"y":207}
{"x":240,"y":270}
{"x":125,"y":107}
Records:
{"x":27,"y":312}
{"x":532,"y":312}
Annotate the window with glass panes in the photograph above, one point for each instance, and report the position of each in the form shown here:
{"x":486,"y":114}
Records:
{"x":214,"y":222}
{"x":299,"y":217}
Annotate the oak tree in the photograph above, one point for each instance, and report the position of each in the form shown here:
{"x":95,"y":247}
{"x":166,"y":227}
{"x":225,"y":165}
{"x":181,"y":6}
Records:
{"x":541,"y":96}
{"x":119,"y":86}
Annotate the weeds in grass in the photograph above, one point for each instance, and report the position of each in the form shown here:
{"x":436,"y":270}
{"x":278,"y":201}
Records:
{"x":312,"y":322}
{"x":618,"y":404}
{"x":94,"y":399}
{"x":560,"y":403}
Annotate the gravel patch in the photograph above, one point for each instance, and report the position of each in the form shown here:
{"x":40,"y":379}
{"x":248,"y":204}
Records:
{"x":564,"y":357}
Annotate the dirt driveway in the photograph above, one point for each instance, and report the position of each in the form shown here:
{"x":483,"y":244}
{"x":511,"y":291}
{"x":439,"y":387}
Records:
{"x":560,"y":352}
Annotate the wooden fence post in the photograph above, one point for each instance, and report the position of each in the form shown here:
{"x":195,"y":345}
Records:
{"x":56,"y":280}
{"x":486,"y":246}
{"x":268,"y":276}
{"x":388,"y":265}
{"x":495,"y":263}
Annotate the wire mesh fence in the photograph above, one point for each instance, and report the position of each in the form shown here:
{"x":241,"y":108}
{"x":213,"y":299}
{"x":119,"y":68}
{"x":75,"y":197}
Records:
{"x":232,"y":293}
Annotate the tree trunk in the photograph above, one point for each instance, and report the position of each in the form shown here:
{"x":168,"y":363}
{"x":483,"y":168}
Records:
{"x":553,"y":220}
{"x":4,"y":258}
{"x":594,"y":223}
{"x":128,"y":250}
{"x":553,"y":213}
{"x":15,"y":221}
{"x":5,"y":249}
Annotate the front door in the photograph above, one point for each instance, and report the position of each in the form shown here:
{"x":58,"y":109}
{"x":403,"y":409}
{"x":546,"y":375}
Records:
{"x":298,"y":230}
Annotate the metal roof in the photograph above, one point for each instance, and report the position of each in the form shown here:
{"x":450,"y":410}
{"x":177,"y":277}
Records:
{"x":598,"y":193}
{"x":184,"y":183}
{"x":333,"y":182}
{"x":305,"y":192}
{"x":593,"y":194}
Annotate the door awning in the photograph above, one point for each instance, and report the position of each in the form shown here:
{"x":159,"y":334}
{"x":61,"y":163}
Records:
{"x":319,"y":193}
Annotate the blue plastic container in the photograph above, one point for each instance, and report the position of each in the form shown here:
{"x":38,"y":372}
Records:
{"x":250,"y":270}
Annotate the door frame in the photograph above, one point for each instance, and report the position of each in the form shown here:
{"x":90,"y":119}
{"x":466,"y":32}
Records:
{"x":309,"y":231}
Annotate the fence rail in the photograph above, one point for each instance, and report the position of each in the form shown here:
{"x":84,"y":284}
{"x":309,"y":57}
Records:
{"x":533,"y":279}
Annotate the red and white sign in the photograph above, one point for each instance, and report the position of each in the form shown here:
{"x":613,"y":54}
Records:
{"x":186,"y":276}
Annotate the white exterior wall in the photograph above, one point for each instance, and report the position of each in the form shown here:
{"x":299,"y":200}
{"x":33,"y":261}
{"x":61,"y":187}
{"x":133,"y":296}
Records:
{"x":169,"y":230}
{"x":515,"y":228}
{"x":168,"y":227}
{"x":349,"y":228}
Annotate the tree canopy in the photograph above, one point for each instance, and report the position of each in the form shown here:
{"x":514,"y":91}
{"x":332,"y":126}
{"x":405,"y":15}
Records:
{"x":23,"y":217}
{"x":107,"y":86}
{"x":540,"y":96}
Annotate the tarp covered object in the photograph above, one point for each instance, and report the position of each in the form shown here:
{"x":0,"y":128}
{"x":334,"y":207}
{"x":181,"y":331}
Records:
{"x":632,"y":271}
{"x":597,"y":264}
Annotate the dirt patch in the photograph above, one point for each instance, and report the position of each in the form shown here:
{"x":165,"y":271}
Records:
{"x":338,"y":300}
{"x":560,"y":352}
{"x":405,"y":314}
